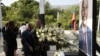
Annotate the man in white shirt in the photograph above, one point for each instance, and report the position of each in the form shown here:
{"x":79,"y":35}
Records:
{"x":21,"y":30}
{"x":23,"y":27}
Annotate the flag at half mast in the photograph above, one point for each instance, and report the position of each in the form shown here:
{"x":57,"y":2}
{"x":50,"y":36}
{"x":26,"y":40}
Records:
{"x":73,"y":21}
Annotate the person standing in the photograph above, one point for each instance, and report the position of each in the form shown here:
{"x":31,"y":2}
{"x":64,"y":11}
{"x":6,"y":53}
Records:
{"x":30,"y":41}
{"x":16,"y":34}
{"x":4,"y":41}
{"x":21,"y":30}
{"x":10,"y":38}
{"x":4,"y":29}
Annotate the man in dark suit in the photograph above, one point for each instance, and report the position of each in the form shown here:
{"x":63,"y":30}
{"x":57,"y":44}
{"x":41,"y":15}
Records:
{"x":10,"y":36}
{"x":30,"y":41}
{"x":85,"y":34}
{"x":4,"y":28}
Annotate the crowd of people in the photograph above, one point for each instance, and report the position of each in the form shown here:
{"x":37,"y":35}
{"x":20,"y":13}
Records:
{"x":28,"y":36}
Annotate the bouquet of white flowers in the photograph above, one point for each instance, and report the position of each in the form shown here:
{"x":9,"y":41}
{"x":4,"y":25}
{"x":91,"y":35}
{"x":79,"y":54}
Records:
{"x":55,"y":36}
{"x":51,"y":34}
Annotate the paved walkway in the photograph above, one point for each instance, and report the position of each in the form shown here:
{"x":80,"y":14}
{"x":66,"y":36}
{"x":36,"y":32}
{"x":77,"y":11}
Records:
{"x":19,"y":52}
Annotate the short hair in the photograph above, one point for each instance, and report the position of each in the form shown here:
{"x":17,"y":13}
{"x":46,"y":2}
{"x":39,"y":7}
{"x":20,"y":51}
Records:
{"x":23,"y":23}
{"x":59,"y":24}
{"x":11,"y":23}
{"x":29,"y":25}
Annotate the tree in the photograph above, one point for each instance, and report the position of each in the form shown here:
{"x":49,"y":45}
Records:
{"x":66,"y":16}
{"x":50,"y":14}
{"x":28,"y":10}
{"x":22,"y":10}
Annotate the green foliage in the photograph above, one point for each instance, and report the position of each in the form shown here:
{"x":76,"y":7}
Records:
{"x":66,"y":16}
{"x":28,"y":10}
{"x":49,"y":19}
{"x":21,"y":10}
{"x":98,"y":5}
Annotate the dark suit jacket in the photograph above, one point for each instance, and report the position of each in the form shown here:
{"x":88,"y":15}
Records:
{"x":10,"y":37}
{"x":89,"y":39}
{"x":29,"y":38}
{"x":3,"y":30}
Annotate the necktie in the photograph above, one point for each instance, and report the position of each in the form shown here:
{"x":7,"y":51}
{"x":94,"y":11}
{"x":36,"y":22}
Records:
{"x":85,"y":43}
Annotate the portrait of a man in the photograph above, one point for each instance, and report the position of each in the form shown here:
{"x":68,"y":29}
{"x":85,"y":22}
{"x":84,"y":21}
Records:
{"x":85,"y":34}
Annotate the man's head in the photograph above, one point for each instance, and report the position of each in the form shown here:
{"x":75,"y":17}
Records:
{"x":6,"y":25}
{"x":59,"y":24}
{"x":84,"y":12}
{"x":38,"y":23}
{"x":11,"y":24}
{"x":23,"y":23}
{"x":29,"y":26}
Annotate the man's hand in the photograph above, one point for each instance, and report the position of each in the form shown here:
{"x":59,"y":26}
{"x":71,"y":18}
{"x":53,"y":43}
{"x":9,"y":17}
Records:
{"x":31,"y":49}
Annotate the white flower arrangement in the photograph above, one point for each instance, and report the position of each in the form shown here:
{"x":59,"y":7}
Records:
{"x":56,"y":36}
{"x":51,"y":34}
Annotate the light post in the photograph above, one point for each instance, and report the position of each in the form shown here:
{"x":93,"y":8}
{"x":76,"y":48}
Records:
{"x":41,"y":15}
{"x":1,"y":4}
{"x":57,"y":17}
{"x":99,"y":20}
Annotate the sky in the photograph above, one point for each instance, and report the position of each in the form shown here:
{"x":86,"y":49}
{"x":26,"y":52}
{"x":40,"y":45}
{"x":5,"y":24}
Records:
{"x":8,"y":2}
{"x":52,"y":2}
{"x":63,"y":2}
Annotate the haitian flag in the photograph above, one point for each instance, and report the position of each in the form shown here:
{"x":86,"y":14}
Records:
{"x":73,"y":21}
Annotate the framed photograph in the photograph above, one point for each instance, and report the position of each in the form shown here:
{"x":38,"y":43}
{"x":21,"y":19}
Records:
{"x":85,"y":27}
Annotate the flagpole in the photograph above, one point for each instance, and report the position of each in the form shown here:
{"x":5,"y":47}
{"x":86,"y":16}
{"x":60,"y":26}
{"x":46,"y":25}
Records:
{"x":99,"y":20}
{"x":74,"y":13}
